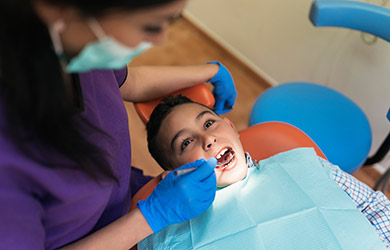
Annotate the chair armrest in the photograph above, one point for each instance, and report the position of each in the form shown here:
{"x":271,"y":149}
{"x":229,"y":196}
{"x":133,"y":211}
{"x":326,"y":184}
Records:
{"x":360,"y":16}
{"x":145,"y":191}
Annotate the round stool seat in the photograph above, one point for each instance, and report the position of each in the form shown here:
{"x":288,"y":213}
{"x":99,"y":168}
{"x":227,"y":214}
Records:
{"x":333,"y":121}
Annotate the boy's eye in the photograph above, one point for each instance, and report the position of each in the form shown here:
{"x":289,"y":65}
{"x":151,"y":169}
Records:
{"x":152,"y":29}
{"x":185,"y":143}
{"x":208,"y":123}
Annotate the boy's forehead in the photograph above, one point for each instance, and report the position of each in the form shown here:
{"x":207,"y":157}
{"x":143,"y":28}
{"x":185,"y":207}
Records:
{"x":181,"y":116}
{"x":190,"y":110}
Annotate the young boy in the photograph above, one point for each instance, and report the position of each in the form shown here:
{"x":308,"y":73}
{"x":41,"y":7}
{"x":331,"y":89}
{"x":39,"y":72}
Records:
{"x":181,"y":131}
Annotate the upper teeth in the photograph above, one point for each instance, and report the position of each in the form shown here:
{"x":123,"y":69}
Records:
{"x":222,"y":153}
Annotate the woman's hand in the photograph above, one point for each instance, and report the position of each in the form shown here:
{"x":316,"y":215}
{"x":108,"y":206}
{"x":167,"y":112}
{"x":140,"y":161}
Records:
{"x":180,"y":198}
{"x":224,"y":90}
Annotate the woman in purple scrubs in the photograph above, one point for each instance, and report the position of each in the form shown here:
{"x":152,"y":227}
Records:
{"x":65,"y":153}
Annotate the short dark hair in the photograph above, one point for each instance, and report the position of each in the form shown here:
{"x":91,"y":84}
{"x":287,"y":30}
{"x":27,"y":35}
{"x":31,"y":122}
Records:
{"x":160,"y":112}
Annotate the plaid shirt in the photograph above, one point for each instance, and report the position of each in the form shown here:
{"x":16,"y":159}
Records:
{"x":373,"y":204}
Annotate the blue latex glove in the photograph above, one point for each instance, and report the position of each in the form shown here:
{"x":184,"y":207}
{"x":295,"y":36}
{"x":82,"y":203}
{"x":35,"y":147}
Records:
{"x":224,"y":91}
{"x":180,"y":198}
{"x":388,"y":114}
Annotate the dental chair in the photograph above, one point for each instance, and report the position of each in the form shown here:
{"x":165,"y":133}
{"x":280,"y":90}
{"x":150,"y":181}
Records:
{"x":364,"y":17}
{"x":333,"y":121}
{"x":261,"y":140}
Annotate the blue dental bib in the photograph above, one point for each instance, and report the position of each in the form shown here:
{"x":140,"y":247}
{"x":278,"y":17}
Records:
{"x":290,"y":202}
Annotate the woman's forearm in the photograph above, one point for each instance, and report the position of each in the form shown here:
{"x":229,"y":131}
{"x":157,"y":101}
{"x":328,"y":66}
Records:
{"x":123,"y":233}
{"x":149,"y":82}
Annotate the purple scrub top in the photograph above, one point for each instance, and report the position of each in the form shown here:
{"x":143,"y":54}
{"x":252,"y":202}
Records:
{"x":45,"y":208}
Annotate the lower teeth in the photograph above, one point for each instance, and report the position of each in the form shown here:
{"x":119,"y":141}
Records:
{"x":225,"y":163}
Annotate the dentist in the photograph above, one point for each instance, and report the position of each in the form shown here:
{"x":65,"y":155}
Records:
{"x":65,"y":152}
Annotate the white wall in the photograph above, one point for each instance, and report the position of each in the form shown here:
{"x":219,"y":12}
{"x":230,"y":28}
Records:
{"x":277,"y":40}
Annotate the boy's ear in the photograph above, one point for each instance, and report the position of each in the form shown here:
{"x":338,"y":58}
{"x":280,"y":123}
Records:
{"x":230,"y":123}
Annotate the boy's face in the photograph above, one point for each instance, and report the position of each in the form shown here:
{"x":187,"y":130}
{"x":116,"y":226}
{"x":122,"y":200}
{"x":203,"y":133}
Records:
{"x":191,"y":132}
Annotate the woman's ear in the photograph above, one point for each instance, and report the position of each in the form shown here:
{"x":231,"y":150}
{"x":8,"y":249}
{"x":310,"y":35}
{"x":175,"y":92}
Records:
{"x":51,"y":14}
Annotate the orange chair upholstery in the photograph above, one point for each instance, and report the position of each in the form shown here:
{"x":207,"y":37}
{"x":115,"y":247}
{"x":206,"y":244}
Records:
{"x":198,"y":93}
{"x":266,"y":139}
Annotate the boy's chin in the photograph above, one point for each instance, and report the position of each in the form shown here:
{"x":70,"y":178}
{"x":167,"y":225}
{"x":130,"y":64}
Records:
{"x":225,"y":183}
{"x":235,"y":176}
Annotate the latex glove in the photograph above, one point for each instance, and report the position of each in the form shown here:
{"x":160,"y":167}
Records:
{"x":180,"y":198}
{"x":224,"y":91}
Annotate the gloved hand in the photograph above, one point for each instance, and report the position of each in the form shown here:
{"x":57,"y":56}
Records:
{"x":224,"y":91}
{"x":180,"y":198}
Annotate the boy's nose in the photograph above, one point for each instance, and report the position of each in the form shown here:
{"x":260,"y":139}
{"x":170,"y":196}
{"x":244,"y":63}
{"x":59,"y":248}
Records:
{"x":209,"y":142}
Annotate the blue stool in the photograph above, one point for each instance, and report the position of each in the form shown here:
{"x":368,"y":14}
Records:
{"x":333,"y":121}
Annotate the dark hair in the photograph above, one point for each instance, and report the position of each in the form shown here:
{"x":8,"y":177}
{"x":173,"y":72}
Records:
{"x":160,"y":112}
{"x":32,"y":88}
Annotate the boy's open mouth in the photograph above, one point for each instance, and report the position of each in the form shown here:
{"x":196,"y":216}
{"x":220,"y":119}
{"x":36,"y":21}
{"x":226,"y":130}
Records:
{"x":225,"y":157}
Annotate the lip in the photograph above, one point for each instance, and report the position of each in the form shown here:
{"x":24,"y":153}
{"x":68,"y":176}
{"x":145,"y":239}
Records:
{"x":222,"y":149}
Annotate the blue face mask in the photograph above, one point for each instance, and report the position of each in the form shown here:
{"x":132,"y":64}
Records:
{"x":105,"y":53}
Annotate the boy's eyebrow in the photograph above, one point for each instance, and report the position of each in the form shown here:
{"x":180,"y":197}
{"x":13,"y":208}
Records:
{"x":201,"y":114}
{"x":198,"y":117}
{"x":175,"y":137}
